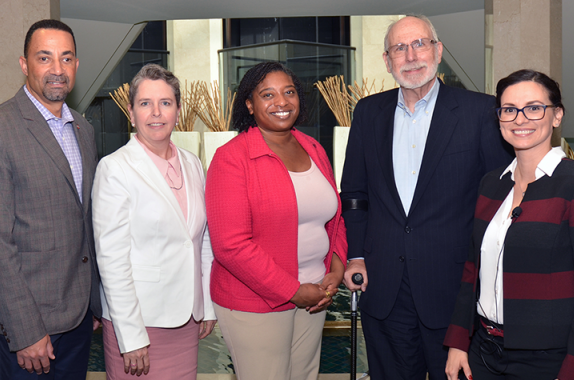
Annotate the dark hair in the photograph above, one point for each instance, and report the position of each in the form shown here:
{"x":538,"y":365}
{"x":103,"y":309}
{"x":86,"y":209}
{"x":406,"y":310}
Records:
{"x":154,"y":72}
{"x":242,"y":120}
{"x":46,"y":24}
{"x":551,"y":86}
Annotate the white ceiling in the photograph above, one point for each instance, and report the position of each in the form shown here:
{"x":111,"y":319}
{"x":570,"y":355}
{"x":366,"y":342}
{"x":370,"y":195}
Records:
{"x":134,"y":11}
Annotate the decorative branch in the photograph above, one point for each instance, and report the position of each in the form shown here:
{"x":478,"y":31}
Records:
{"x":342,"y":99}
{"x":336,"y":96}
{"x":357,"y":93}
{"x":190,"y":96}
{"x":121,"y":97}
{"x":210,"y":107}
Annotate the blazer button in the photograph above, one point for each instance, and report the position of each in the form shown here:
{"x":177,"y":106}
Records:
{"x":7,"y":340}
{"x":187,"y":244}
{"x":401,"y":259}
{"x":85,"y":259}
{"x":408,"y":229}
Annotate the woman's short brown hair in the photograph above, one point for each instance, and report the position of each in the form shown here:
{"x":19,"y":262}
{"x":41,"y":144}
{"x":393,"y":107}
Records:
{"x":153,"y":71}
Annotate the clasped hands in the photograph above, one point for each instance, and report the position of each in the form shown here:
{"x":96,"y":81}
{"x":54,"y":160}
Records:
{"x":317,"y":297}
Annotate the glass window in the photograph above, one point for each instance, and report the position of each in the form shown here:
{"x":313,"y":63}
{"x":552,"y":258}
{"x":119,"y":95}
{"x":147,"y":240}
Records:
{"x":250,"y":31}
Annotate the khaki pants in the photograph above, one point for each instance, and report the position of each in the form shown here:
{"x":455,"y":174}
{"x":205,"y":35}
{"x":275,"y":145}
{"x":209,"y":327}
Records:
{"x":284,"y":345}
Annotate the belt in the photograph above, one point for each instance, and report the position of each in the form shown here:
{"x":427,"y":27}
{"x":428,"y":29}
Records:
{"x":492,"y":328}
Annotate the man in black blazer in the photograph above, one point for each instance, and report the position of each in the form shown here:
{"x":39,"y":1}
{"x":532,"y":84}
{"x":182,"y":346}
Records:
{"x":49,"y":281}
{"x":414,"y":161}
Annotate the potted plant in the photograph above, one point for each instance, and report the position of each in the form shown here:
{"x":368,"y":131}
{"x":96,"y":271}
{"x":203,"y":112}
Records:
{"x":216,"y":117}
{"x":342,"y":100}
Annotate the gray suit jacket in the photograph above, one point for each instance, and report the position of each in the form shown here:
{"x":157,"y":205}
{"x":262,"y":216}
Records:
{"x":48,"y":275}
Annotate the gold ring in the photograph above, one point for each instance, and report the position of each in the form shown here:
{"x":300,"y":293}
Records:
{"x":328,"y":294}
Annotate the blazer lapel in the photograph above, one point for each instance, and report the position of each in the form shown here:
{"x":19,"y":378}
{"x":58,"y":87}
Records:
{"x":39,"y":128}
{"x":190,"y":187}
{"x":151,"y":175}
{"x":384,"y":144}
{"x":87,"y":163}
{"x":442,"y":126}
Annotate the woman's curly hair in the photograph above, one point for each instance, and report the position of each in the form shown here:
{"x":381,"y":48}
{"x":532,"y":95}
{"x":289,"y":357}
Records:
{"x":242,"y":120}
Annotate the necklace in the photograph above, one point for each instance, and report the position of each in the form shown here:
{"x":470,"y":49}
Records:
{"x":180,"y":186}
{"x":517,"y":180}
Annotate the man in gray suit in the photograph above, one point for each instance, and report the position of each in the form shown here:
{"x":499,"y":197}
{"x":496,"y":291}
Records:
{"x":48,"y":275}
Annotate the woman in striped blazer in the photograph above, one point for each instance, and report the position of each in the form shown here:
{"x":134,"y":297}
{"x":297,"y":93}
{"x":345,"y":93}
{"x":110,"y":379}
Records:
{"x":515,"y":309}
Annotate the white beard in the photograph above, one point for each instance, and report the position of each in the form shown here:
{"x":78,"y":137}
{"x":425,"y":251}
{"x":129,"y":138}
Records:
{"x":415,"y":81}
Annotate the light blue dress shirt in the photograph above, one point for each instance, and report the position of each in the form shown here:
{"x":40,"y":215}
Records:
{"x":63,"y":130}
{"x":409,"y":139}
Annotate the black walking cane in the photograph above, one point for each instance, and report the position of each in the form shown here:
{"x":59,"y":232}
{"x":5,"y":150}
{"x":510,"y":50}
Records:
{"x":357,"y":279}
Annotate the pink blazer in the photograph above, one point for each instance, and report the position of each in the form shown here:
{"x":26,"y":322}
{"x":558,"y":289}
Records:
{"x":253,"y":222}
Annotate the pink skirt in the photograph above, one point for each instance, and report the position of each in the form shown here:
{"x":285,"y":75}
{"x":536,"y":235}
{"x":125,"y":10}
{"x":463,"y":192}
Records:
{"x":172,"y":352}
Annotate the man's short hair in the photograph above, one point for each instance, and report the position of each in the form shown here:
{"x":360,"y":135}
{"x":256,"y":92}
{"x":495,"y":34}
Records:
{"x":420,"y":17}
{"x":46,"y":24}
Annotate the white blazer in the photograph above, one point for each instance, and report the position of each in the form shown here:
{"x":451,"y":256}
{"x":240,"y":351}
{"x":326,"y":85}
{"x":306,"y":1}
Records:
{"x":155,"y":266}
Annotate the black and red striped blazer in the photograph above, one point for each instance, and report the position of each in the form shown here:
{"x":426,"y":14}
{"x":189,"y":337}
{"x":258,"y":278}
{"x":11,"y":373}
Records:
{"x":538,"y":264}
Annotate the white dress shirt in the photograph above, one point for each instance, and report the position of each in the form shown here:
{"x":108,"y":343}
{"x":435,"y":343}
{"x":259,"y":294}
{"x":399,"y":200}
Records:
{"x":490,"y":304}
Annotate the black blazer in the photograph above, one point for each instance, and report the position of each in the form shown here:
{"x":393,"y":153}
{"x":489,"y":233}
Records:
{"x":432,"y":242}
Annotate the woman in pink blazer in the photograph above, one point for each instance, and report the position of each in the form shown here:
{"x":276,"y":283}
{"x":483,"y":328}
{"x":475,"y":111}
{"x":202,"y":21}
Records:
{"x":278,"y":238}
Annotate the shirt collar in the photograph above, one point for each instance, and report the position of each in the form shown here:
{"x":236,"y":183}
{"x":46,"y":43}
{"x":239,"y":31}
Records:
{"x":428,"y":100}
{"x":162,"y":164}
{"x":66,"y":114}
{"x":545,"y":167}
{"x":257,"y":146}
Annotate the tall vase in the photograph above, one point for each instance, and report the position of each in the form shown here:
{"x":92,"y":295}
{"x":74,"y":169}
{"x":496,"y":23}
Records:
{"x":190,"y":141}
{"x":212,"y":141}
{"x":340,"y":138}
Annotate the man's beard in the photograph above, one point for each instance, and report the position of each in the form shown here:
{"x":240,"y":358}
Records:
{"x":416,"y":82}
{"x":56,"y":94}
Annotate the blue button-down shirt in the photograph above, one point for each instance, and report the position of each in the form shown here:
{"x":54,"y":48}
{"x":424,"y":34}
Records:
{"x":409,"y":140}
{"x":63,"y":130}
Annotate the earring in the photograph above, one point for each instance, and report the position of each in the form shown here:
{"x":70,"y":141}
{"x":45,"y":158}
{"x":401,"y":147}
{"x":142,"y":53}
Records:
{"x":133,"y":124}
{"x":176,"y":123}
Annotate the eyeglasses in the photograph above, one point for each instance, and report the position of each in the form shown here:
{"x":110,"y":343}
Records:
{"x":420,"y":45}
{"x":535,"y":112}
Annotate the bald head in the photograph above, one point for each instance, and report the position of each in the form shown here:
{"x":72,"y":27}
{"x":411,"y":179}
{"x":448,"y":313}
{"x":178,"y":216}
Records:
{"x":410,"y":19}
{"x":412,"y":53}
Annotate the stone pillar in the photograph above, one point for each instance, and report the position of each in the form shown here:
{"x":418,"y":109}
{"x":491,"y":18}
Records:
{"x":16,"y":16}
{"x":193,"y":46}
{"x":525,"y":34}
{"x":367,"y":36}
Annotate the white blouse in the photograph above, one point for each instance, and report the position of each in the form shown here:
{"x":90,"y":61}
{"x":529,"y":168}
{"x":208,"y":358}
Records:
{"x":490,"y":303}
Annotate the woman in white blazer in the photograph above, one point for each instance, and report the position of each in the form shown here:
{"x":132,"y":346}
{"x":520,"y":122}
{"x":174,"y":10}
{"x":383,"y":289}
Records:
{"x":152,"y":243}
